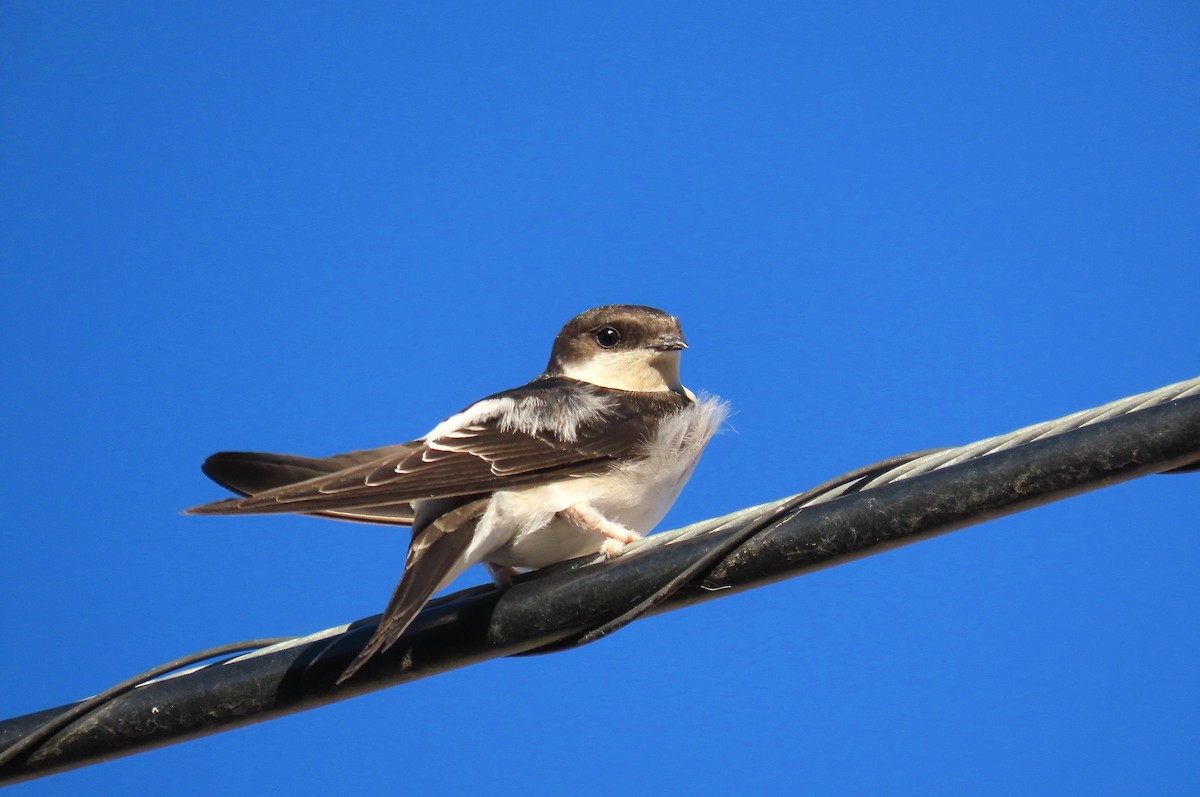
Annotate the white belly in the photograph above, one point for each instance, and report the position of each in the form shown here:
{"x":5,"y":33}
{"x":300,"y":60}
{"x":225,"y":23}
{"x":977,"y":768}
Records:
{"x":521,"y":528}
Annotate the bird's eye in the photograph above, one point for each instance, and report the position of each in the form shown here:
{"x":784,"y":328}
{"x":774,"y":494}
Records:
{"x":607,"y":337}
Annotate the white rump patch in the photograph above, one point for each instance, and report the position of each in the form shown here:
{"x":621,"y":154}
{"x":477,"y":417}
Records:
{"x":479,"y":411}
{"x":530,"y":415}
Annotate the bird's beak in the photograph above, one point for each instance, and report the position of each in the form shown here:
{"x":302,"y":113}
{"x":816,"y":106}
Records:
{"x":669,"y":343}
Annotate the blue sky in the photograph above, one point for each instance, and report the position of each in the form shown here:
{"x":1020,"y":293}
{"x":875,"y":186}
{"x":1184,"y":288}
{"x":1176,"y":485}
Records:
{"x":317,"y":227}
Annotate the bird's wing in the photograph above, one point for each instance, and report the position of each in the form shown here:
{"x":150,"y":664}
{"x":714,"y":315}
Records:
{"x":253,"y":472}
{"x":549,"y":429}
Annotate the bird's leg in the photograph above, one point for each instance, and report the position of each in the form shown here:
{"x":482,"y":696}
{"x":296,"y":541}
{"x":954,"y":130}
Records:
{"x":502,"y":574}
{"x":616,"y":536}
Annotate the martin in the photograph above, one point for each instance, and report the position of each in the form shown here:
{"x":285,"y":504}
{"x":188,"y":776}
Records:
{"x":586,"y":458}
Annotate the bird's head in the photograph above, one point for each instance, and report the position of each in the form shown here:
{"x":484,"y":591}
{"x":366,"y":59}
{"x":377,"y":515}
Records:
{"x":621,"y":346}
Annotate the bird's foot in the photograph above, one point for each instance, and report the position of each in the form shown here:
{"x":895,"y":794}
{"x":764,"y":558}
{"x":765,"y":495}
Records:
{"x":502,"y":575}
{"x":616,"y":536}
{"x":612,"y":548}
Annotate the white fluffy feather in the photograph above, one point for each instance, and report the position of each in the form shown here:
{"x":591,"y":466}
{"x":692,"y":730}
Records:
{"x":530,"y":415}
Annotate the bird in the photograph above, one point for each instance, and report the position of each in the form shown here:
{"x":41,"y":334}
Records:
{"x":584,"y":459}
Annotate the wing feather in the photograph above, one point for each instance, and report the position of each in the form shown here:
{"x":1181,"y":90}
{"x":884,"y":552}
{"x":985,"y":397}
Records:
{"x":251,"y":472}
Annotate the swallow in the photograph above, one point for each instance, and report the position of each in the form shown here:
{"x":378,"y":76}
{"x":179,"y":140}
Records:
{"x":584,"y":459}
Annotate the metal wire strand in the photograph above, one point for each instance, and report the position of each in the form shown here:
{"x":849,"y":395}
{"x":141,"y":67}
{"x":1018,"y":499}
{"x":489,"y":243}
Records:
{"x":1038,"y":431}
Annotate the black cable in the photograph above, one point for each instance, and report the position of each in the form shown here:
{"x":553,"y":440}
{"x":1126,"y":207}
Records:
{"x":565,"y":601}
{"x":26,"y":746}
